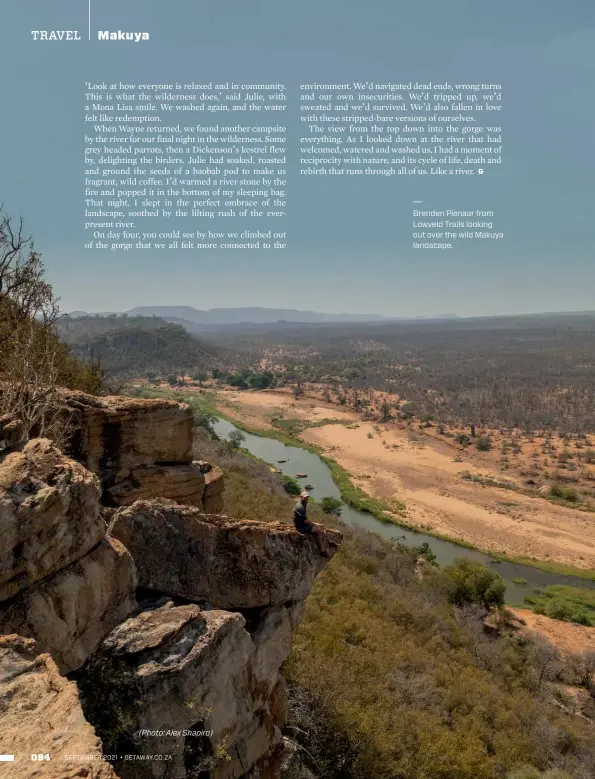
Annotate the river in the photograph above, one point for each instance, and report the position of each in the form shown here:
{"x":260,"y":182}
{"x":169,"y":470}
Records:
{"x":298,"y":460}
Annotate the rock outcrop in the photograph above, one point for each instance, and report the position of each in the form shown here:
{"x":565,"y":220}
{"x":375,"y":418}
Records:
{"x":231,"y":564}
{"x":11,"y":432}
{"x":40,"y":714}
{"x":70,"y":612}
{"x":212,"y":497}
{"x":140,"y":449}
{"x":192,"y":684}
{"x":184,"y":683}
{"x":114,"y":435}
{"x":49,"y":515}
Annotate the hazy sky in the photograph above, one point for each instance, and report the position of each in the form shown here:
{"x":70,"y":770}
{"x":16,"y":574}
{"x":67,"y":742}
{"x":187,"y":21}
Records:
{"x":350,"y":240}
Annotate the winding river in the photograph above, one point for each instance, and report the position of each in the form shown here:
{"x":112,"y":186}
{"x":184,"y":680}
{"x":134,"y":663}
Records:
{"x":298,"y":460}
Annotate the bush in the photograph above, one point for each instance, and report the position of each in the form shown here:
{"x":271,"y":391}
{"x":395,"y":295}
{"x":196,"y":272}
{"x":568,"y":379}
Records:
{"x":472,"y":582}
{"x":484,"y":443}
{"x":291,"y":486}
{"x":236,"y":438}
{"x":331,"y":505}
{"x":565,"y":493}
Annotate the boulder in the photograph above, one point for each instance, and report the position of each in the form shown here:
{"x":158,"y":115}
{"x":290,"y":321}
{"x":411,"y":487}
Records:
{"x":185,"y":676}
{"x":70,"y":612}
{"x":49,"y":515}
{"x":212,"y":497}
{"x":40,"y":714}
{"x":12,"y":432}
{"x":231,"y":564}
{"x":182,"y":483}
{"x":112,"y":436}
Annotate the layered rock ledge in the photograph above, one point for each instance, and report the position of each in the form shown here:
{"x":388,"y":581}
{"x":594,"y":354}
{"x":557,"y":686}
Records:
{"x":40,"y":714}
{"x":49,"y":515}
{"x":231,"y":564}
{"x":140,"y":449}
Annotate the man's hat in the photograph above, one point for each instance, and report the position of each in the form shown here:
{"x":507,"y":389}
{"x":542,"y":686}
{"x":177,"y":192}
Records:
{"x":304,"y":494}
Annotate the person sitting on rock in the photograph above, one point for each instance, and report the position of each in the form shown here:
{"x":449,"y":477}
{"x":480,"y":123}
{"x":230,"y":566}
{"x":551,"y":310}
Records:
{"x":300,"y":516}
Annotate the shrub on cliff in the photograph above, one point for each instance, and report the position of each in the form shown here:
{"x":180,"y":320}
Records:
{"x":33,"y":361}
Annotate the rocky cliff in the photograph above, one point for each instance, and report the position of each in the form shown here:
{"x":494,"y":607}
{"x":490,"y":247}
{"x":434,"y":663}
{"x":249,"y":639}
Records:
{"x":155,"y":640}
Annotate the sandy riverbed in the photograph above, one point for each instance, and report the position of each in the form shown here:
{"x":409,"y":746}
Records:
{"x":387,"y":461}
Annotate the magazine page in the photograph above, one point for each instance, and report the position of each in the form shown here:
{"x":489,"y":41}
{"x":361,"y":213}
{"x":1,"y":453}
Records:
{"x":297,"y":421}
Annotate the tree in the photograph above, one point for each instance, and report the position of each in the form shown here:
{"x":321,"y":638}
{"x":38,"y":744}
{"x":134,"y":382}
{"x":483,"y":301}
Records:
{"x":384,"y":411}
{"x":484,"y":443}
{"x":236,"y":438}
{"x":297,"y":391}
{"x":472,"y":582}
{"x":331,"y":506}
{"x":33,"y":361}
{"x":260,"y":380}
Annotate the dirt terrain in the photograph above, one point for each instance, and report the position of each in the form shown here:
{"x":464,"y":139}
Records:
{"x":428,"y":474}
{"x":568,"y":637}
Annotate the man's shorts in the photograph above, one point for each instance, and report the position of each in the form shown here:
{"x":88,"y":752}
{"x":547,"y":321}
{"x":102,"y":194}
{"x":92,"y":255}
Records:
{"x":304,"y":527}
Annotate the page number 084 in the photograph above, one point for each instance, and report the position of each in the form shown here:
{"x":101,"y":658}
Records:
{"x":40,"y":757}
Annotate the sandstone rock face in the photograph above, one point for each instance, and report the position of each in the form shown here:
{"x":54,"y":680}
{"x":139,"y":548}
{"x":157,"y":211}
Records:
{"x":231,"y":564}
{"x":40,"y":713}
{"x":49,"y":515}
{"x":182,"y":483}
{"x":212,"y":497}
{"x":11,"y":432}
{"x":115,"y":435}
{"x":179,"y":668}
{"x":140,"y":449}
{"x":70,"y":612}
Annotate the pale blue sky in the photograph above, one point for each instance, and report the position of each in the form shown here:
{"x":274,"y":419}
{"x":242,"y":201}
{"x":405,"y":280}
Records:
{"x":350,"y":245}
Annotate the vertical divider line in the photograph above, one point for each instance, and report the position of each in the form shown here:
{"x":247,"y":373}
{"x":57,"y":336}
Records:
{"x":89,"y":19}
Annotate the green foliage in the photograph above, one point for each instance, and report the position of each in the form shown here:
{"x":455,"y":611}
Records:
{"x":205,"y":419}
{"x":260,"y":380}
{"x":559,"y":601}
{"x":290,"y":485}
{"x":331,"y":505}
{"x":568,"y":494}
{"x":425,"y":551}
{"x":472,"y":582}
{"x":383,"y":510}
{"x":236,"y":438}
{"x":484,"y":443}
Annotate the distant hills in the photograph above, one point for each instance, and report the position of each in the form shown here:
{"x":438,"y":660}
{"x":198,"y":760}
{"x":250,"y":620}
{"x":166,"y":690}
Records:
{"x":232,"y":316}
{"x":133,"y":345}
{"x":251,"y":315}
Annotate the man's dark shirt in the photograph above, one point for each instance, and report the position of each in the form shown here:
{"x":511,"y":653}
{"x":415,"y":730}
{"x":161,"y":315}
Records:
{"x":300,"y":518}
